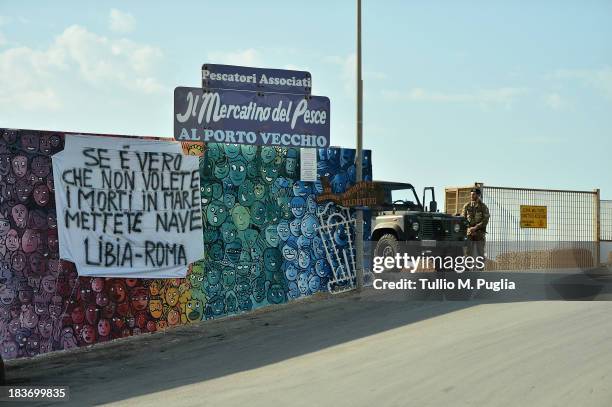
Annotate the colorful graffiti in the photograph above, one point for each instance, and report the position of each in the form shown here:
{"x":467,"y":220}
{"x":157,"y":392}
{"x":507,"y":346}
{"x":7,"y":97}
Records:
{"x":261,"y":235}
{"x":261,"y":247}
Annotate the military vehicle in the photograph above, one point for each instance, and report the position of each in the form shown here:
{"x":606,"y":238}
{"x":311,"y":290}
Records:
{"x":402,"y":217}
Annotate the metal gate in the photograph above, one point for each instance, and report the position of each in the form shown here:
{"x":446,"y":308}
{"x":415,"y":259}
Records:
{"x":337,"y":226}
{"x":605,"y":219}
{"x":565,"y":236}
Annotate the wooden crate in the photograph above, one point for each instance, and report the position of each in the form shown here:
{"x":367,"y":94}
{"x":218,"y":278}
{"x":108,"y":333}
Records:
{"x":456,"y":197}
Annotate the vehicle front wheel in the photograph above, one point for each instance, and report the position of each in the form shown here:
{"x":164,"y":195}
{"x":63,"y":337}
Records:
{"x":387,"y":246}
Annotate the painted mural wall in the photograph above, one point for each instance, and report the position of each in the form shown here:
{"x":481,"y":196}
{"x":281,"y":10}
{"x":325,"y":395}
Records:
{"x":260,"y":236}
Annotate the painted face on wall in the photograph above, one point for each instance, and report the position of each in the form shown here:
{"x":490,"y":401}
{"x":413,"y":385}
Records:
{"x":248,"y":237}
{"x":232,"y":150}
{"x":45,"y":144}
{"x":97,"y":284}
{"x":37,"y":219}
{"x":221,"y":169}
{"x":237,"y":173}
{"x":248,"y":151}
{"x":217,"y":305}
{"x":253,"y":169}
{"x":23,"y":190}
{"x":258,"y":213}
{"x":28,"y":317}
{"x":271,"y":235}
{"x":228,"y":276}
{"x":172,"y":296}
{"x":291,"y":271}
{"x":314,"y":283}
{"x":311,"y":204}
{"x":298,"y":206}
{"x":269,"y":173}
{"x":52,"y":220}
{"x":5,"y":225}
{"x":303,"y":258}
{"x":12,"y":240}
{"x":156,"y":308}
{"x":45,"y":327}
{"x":29,"y":142}
{"x":301,"y":188}
{"x":88,"y":334}
{"x":309,"y":226}
{"x":285,"y":208}
{"x":233,"y":251}
{"x":246,"y":194}
{"x":21,"y":336}
{"x":91,"y":314}
{"x":48,"y":284}
{"x":53,"y":242}
{"x":5,"y":164}
{"x":102,"y":299}
{"x":77,"y":315}
{"x":338,"y":182}
{"x":295,"y":226}
{"x":211,"y":191}
{"x":229,"y":199}
{"x":347,"y":157}
{"x":216,"y":213}
{"x":340,"y":236}
{"x":241,"y":217}
{"x":260,"y":191}
{"x":41,"y":195}
{"x":214,"y":151}
{"x":283,"y":230}
{"x":8,"y":193}
{"x":104,"y":327}
{"x":7,"y":295}
{"x":322,"y":268}
{"x":272,"y":259}
{"x":30,"y":241}
{"x":139,"y":298}
{"x":37,"y":263}
{"x":41,"y":166}
{"x":213,"y":275}
{"x":268,"y":154}
{"x":276,"y":294}
{"x":290,"y":250}
{"x":302,"y":283}
{"x":194,"y":310}
{"x":9,"y":349}
{"x":117,"y":291}
{"x":18,"y":261}
{"x":291,"y":161}
{"x":20,"y":166}
{"x":317,"y":247}
{"x":216,"y":251}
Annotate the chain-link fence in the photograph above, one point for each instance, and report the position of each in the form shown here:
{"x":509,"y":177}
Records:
{"x":606,"y":221}
{"x":541,"y":229}
{"x":605,"y":231}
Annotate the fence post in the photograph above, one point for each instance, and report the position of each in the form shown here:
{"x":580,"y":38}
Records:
{"x":597,"y":197}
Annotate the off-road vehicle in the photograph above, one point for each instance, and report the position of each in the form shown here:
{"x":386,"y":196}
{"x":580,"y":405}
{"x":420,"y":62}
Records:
{"x":404,"y":218}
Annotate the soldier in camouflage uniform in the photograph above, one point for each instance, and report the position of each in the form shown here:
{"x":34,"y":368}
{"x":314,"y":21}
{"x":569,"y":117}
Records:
{"x":477,"y":215}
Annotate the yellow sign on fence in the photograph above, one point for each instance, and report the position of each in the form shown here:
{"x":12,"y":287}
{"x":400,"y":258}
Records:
{"x":533,"y":216}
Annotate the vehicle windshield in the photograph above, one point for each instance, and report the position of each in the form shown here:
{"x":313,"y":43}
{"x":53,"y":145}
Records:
{"x":406,"y":197}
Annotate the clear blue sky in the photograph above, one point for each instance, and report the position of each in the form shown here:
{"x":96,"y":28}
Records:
{"x":507,"y":93}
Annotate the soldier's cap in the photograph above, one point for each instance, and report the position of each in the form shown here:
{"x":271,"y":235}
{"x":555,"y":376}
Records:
{"x":476,"y":190}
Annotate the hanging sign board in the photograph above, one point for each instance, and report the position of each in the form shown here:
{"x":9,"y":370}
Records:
{"x":127,"y":207}
{"x":308,"y":164}
{"x":215,"y":77}
{"x":242,"y":117}
{"x":533,"y":216}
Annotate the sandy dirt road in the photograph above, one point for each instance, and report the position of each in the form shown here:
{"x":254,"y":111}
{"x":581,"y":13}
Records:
{"x":353,"y":350}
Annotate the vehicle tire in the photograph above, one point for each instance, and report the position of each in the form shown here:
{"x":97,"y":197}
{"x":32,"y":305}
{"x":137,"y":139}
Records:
{"x":387,"y":246}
